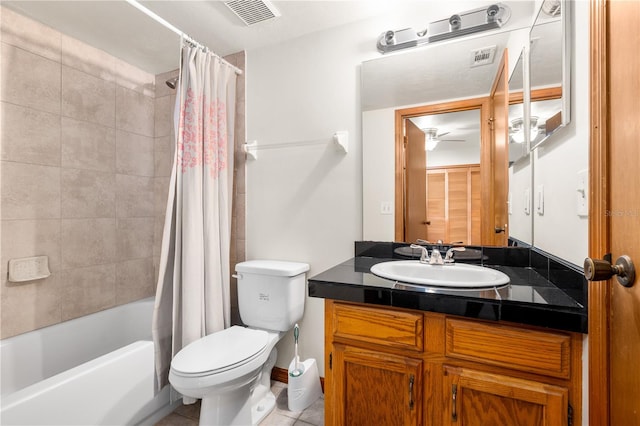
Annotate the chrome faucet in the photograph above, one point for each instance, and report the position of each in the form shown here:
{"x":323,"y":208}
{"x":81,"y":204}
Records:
{"x":424,"y":256}
{"x":448,"y":258}
{"x":436,"y":258}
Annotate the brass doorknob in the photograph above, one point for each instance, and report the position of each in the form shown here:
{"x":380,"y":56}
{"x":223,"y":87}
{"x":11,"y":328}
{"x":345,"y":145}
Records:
{"x":601,"y":270}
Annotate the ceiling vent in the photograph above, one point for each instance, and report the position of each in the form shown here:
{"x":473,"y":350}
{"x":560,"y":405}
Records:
{"x":483,"y":56}
{"x":253,"y":11}
{"x":552,"y":7}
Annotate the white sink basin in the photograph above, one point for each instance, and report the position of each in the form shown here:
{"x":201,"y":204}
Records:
{"x":453,"y":275}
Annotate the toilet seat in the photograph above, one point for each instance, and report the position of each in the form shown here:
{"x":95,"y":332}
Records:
{"x":220,"y":351}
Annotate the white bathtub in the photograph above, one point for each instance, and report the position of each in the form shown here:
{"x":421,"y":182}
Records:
{"x":94,"y":370}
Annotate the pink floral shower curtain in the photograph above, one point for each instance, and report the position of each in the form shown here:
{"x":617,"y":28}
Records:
{"x":192,"y":296}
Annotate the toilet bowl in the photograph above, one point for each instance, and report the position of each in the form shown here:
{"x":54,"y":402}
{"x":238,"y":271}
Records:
{"x":230,"y":370}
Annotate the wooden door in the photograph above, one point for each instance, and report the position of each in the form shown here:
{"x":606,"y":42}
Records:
{"x":495,"y":230}
{"x":416,"y":184}
{"x":453,"y":204}
{"x":614,"y":221}
{"x":374,"y":388}
{"x":478,"y":398}
{"x":436,"y":205}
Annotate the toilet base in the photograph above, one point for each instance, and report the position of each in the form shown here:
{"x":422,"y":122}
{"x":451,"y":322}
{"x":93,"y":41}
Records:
{"x":263,"y":408}
{"x":246,"y":405}
{"x":229,"y":408}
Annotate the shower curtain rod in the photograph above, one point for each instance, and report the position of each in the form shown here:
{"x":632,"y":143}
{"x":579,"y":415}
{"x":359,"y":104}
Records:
{"x":176,"y":30}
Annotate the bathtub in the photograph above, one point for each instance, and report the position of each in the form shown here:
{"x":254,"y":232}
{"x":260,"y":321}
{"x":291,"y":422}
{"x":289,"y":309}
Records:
{"x":94,"y":370}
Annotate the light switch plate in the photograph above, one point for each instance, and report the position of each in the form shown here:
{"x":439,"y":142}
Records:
{"x":582,"y":194}
{"x":540,"y":200}
{"x":386,"y":207}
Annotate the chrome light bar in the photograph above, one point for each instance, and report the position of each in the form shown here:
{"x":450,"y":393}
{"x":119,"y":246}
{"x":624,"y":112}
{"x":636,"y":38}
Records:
{"x":472,"y":21}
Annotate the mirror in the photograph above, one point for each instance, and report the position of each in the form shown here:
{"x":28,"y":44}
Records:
{"x":520,"y":165}
{"x":549,"y":71}
{"x":438,"y":73}
{"x":431,"y":75}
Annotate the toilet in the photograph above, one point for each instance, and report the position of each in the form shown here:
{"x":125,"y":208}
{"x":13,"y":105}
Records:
{"x":230,"y":370}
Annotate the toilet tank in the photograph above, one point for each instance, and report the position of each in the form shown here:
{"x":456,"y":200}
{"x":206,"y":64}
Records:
{"x":271,"y":293}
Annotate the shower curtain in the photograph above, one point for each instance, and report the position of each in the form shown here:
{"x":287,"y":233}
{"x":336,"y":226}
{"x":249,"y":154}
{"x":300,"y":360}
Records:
{"x":192,"y":295}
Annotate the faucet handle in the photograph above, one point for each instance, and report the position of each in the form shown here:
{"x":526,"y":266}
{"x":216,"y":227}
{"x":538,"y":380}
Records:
{"x":448,"y":258}
{"x":424,"y":255}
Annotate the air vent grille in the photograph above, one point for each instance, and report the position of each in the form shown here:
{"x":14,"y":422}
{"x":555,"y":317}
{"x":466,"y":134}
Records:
{"x":483,"y":56}
{"x":253,"y":11}
{"x":552,"y":8}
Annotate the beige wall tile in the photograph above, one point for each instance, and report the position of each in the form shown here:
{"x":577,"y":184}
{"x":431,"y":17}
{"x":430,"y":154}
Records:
{"x":134,"y":280}
{"x":27,"y":238}
{"x":30,"y":191}
{"x":30,"y":136}
{"x":163,"y":116}
{"x":134,"y":112}
{"x":30,"y":35}
{"x":161,"y":83}
{"x":88,"y":145}
{"x":163,"y":163}
{"x":87,"y":242}
{"x":135,"y":237}
{"x":134,"y":154}
{"x":87,"y":98}
{"x":87,"y":290}
{"x":134,"y":78}
{"x":28,"y":306}
{"x":88,"y":59}
{"x":87,"y":193}
{"x":134,"y":196}
{"x":161,"y":192}
{"x":165,"y":143}
{"x":240,"y":212}
{"x":30,"y":80}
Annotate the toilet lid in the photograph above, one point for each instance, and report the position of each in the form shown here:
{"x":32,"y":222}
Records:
{"x":220,"y":351}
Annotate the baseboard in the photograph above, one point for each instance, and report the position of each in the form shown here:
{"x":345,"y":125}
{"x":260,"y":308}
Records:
{"x":282,"y":375}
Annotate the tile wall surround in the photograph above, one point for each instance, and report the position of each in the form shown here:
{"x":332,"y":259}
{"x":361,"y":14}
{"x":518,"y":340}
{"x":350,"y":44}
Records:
{"x":86,"y":150}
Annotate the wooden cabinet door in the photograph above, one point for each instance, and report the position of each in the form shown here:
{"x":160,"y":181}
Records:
{"x":453,"y":204}
{"x":374,"y":388}
{"x":485,"y":399}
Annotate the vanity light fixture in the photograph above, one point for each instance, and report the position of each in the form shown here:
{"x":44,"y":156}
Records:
{"x":516,"y":130}
{"x":458,"y":24}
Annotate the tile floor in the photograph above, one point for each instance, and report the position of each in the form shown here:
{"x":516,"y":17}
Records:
{"x":187,"y":415}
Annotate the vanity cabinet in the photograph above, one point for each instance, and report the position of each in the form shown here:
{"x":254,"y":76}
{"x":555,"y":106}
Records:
{"x":391,"y":366}
{"x":480,"y":398}
{"x":376,"y":388}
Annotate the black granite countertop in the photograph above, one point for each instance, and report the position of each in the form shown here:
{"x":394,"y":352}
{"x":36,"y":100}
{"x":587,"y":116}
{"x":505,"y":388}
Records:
{"x":530,"y":298}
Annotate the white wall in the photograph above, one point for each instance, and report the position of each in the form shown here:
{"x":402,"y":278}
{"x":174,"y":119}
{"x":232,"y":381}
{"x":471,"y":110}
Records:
{"x":378,"y":129}
{"x":454,"y":155}
{"x":304,"y":203}
{"x":560,"y":230}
